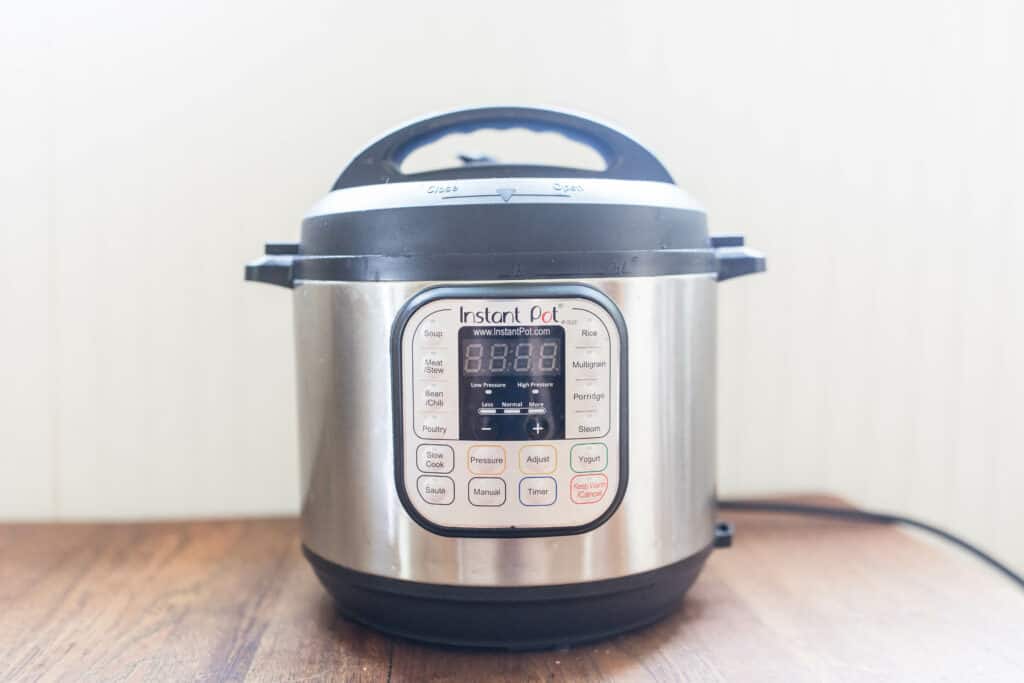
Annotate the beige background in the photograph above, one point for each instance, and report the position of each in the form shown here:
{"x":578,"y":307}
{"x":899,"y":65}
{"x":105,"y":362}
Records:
{"x":873,"y":150}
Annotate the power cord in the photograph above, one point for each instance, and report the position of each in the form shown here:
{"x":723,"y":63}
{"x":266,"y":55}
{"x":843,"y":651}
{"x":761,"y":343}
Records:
{"x":855,"y":515}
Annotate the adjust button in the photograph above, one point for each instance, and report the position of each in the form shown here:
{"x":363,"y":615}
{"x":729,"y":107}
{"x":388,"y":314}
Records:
{"x":436,"y":490}
{"x":588,"y":457}
{"x":487,"y":491}
{"x":435,"y":458}
{"x":538,"y":491}
{"x":537,"y":459}
{"x":486,"y":459}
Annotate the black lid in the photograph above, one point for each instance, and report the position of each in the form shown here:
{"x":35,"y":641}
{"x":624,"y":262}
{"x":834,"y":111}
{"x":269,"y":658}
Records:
{"x":492,"y":221}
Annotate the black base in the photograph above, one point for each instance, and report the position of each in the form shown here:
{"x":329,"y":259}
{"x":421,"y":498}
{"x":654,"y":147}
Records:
{"x":508,"y":618}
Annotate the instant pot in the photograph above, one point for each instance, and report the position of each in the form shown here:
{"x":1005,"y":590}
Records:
{"x":506,"y":387}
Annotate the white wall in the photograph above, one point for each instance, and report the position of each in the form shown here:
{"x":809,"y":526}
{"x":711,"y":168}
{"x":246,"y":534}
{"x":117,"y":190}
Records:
{"x":873,"y":150}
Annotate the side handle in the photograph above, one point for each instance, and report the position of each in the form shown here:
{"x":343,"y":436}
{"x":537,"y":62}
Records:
{"x":276,"y":267}
{"x":734,"y":259}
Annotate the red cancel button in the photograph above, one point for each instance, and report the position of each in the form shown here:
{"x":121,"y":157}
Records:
{"x":588,"y":488}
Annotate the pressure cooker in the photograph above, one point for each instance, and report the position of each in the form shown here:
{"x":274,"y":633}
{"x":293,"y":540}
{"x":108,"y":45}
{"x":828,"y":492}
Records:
{"x":506,"y":387}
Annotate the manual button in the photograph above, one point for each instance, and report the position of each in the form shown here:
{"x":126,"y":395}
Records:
{"x":487,"y":491}
{"x":436,"y":490}
{"x":435,"y":458}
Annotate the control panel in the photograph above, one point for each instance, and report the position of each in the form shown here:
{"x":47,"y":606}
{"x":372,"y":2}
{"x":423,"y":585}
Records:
{"x":510,"y":409}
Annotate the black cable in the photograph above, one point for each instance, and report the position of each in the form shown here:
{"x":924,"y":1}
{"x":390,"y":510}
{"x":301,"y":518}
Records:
{"x":855,"y":515}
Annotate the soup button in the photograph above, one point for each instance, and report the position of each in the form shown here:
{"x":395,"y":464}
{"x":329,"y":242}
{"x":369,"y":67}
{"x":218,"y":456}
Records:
{"x":588,"y":488}
{"x":436,"y":490}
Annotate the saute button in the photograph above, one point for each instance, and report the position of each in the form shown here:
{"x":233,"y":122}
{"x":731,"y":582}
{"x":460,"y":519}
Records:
{"x":588,"y":488}
{"x":534,"y":491}
{"x":486,"y":459}
{"x":435,"y":458}
{"x":588,"y":457}
{"x":436,"y":490}
{"x":537,"y":459}
{"x":487,"y":491}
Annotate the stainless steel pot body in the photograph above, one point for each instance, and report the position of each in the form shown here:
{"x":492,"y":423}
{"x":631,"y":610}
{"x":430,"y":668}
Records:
{"x":351,"y":512}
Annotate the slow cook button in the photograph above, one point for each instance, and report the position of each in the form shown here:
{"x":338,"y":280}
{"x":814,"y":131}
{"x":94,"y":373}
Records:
{"x":436,"y":427}
{"x":486,"y":459}
{"x":435,"y":458}
{"x":587,"y":488}
{"x":436,"y":490}
{"x":487,"y":491}
{"x":537,"y":491}
{"x":537,"y":459}
{"x":588,"y":457}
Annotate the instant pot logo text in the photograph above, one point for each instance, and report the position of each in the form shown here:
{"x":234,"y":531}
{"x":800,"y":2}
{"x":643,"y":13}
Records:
{"x":496,"y":316}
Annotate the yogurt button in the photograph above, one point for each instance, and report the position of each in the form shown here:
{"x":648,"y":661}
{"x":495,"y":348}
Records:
{"x":588,"y":457}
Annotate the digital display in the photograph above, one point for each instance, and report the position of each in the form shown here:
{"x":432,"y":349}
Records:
{"x":512,"y":382}
{"x":519,"y":356}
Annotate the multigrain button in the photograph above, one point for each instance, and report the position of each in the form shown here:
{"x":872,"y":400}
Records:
{"x":537,"y":459}
{"x":436,"y":490}
{"x":435,"y":458}
{"x":587,"y":488}
{"x":486,"y":459}
{"x":538,"y":491}
{"x":487,"y":491}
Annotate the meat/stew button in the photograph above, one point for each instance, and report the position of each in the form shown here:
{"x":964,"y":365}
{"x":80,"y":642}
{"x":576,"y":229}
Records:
{"x":588,"y":488}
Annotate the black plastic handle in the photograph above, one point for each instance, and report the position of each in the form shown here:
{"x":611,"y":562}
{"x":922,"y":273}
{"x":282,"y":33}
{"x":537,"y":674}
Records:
{"x":625,"y":158}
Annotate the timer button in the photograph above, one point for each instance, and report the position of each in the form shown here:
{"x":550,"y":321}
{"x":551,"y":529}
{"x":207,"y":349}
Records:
{"x":435,"y":458}
{"x":538,"y":491}
{"x":436,"y":490}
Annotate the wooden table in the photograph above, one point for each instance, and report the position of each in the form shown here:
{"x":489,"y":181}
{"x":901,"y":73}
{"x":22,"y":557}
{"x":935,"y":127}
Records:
{"x":794,"y":599}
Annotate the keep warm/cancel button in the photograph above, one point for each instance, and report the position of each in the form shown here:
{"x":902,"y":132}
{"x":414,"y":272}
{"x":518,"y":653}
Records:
{"x":588,"y":488}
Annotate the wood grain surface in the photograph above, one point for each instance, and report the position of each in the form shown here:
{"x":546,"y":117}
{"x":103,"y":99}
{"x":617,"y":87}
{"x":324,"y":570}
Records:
{"x":794,"y":599}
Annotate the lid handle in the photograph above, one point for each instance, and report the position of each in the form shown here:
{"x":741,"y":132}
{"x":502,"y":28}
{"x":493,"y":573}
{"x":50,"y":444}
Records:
{"x":625,"y":158}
